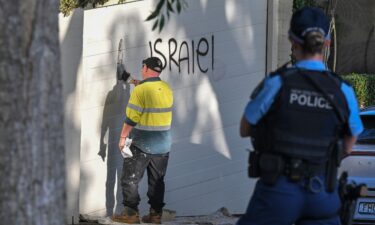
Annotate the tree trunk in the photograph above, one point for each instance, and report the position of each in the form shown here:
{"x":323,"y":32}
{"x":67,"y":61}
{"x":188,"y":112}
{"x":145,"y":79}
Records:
{"x":32,"y":177}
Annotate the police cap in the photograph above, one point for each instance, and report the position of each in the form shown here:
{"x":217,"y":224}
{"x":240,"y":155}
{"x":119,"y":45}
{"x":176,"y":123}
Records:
{"x":306,"y":20}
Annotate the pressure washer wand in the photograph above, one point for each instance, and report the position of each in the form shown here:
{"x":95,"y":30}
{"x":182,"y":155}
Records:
{"x":121,"y":72}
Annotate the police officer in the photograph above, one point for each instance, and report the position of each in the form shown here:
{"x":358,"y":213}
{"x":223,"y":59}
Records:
{"x":298,"y":118}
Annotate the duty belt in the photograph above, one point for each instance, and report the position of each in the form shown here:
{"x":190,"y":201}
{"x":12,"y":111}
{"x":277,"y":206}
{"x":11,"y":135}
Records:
{"x":296,"y":169}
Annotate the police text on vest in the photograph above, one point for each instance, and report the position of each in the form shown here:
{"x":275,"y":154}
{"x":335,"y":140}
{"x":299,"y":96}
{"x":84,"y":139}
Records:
{"x":308,"y":99}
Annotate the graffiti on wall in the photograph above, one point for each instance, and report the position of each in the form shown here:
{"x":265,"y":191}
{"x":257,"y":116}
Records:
{"x":194,"y":55}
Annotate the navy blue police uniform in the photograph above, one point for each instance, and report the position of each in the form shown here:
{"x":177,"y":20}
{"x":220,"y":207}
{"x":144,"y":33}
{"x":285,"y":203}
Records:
{"x":300,"y":126}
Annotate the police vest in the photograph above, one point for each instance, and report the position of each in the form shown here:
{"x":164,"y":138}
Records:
{"x":301,"y":123}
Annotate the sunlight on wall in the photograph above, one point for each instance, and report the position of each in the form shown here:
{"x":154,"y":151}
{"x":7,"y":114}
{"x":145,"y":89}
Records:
{"x":64,"y":23}
{"x":208,"y":113}
{"x":71,"y":112}
{"x":230,"y":11}
{"x":204,"y":4}
{"x":92,"y":198}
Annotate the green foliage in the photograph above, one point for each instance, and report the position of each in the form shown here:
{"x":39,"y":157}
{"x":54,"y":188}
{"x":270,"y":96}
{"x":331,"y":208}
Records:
{"x":163,"y":10}
{"x":297,"y":4}
{"x":66,"y":6}
{"x":364,"y":86}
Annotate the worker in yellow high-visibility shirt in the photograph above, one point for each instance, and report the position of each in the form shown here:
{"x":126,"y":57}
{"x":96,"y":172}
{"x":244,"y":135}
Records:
{"x":148,"y":122}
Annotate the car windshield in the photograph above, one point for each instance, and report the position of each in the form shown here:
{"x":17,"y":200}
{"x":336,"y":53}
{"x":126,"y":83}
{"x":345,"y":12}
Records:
{"x":368,"y":135}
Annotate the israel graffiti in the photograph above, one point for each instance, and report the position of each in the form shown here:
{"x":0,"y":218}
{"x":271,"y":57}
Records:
{"x":196,"y":55}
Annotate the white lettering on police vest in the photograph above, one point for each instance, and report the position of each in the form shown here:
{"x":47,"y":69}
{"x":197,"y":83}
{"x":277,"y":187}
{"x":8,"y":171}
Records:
{"x":309,"y":99}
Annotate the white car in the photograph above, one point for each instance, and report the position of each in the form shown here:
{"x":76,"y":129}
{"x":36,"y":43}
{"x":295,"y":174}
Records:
{"x":360,"y":166}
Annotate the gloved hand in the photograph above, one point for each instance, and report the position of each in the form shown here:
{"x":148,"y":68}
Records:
{"x":125,"y":151}
{"x":122,"y":74}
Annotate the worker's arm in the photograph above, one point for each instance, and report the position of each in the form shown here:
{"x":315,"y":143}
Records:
{"x":244,"y":127}
{"x":126,"y":128}
{"x":349,"y":142}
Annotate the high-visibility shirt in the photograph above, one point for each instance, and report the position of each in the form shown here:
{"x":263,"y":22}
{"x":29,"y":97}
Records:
{"x":149,"y":111}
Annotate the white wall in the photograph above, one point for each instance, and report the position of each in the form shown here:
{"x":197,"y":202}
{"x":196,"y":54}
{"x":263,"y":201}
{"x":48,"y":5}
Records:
{"x":71,"y":43}
{"x":278,"y":45}
{"x":208,"y":161}
{"x":284,"y":16}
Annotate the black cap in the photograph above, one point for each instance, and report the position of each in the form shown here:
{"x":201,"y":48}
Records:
{"x":306,"y":20}
{"x":154,"y":63}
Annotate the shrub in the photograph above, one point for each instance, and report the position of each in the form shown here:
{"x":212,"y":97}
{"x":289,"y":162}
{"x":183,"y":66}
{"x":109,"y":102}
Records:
{"x":297,"y":4}
{"x":364,"y":87}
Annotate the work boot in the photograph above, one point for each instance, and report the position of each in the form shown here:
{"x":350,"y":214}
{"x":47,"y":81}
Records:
{"x":153,"y":217}
{"x":129,"y":215}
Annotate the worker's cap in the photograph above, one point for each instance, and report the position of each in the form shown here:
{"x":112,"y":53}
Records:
{"x":306,"y":20}
{"x":154,"y":63}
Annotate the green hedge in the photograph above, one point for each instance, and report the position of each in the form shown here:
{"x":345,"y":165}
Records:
{"x":297,"y":4}
{"x":66,"y":6}
{"x":364,"y":86}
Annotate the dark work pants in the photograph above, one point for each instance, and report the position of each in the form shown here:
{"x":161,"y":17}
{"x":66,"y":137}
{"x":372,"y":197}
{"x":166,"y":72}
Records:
{"x":288,"y":203}
{"x":132,"y":173}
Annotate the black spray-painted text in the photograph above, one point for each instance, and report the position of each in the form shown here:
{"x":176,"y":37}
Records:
{"x":194,"y":54}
